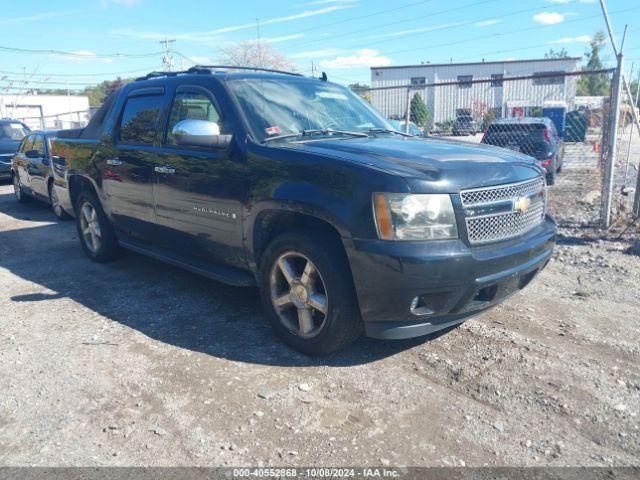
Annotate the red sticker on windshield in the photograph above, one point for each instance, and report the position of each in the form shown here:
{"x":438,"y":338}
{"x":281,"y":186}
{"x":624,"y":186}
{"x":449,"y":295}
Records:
{"x":272,"y":130}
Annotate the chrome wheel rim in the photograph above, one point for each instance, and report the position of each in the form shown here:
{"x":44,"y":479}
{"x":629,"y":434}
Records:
{"x":90,"y":227}
{"x":55,"y":202}
{"x":298,"y":294}
{"x":16,"y":187}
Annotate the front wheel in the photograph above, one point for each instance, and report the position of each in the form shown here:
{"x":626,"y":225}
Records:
{"x":97,"y":236}
{"x":551,"y":178}
{"x":21,"y":197}
{"x":307,"y":289}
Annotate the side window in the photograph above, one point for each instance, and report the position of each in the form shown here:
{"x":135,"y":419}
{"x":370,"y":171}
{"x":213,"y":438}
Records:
{"x":38,"y":144}
{"x":191,"y":105}
{"x":139,"y":119}
{"x":27,"y":143}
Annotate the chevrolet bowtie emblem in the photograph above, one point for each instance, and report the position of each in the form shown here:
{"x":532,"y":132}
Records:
{"x":522,"y":204}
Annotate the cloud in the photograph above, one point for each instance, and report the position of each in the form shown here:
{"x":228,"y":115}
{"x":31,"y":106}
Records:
{"x":417,"y":30}
{"x":486,"y":23}
{"x":80,"y":56}
{"x":125,"y":3}
{"x":559,"y":2}
{"x":283,"y":38}
{"x":578,"y":39}
{"x":362,"y":59}
{"x":31,"y":18}
{"x":329,"y":2}
{"x":211,"y":37}
{"x":322,"y":53}
{"x":548,"y":18}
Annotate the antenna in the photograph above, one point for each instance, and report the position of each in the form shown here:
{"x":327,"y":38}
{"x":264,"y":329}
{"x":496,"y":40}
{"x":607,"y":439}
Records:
{"x":259,"y":43}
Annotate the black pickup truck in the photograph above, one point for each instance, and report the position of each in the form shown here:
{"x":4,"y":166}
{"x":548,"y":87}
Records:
{"x":296,"y":185}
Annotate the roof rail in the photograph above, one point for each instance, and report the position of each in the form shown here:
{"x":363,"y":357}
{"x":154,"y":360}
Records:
{"x":209,"y":69}
{"x":213,"y":68}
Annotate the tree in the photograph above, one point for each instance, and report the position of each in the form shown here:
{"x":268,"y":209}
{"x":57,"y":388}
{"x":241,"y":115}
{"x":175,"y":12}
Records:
{"x":419,"y":113}
{"x":562,"y":53}
{"x":598,"y":84}
{"x":253,"y":54}
{"x":362,"y":90}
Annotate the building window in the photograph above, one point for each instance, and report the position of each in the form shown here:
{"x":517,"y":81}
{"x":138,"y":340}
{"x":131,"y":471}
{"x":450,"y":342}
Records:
{"x":548,"y":78}
{"x":416,"y":81}
{"x":496,"y":79}
{"x":464,"y":81}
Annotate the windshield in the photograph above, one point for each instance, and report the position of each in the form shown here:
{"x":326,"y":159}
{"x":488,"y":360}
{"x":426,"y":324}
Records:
{"x":12,"y":132}
{"x":275,"y":107}
{"x":465,"y":119}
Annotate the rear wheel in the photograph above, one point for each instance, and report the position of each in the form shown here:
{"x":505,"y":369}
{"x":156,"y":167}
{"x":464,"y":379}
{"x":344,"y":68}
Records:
{"x":306,"y":287}
{"x":56,"y":206}
{"x":17,"y":189}
{"x":97,"y":236}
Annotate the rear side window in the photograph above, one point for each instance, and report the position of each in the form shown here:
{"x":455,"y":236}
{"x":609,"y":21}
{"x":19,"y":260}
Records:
{"x":38,"y":144}
{"x":27,"y":143}
{"x":140,"y":119}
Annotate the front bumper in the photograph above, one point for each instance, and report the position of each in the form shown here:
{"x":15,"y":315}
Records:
{"x":451,"y":280}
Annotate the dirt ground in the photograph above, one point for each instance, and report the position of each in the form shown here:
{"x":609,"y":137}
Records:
{"x":139,"y":363}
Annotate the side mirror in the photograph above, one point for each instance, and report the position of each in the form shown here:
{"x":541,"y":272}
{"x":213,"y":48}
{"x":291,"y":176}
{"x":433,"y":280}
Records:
{"x":199,"y":133}
{"x":32,"y":154}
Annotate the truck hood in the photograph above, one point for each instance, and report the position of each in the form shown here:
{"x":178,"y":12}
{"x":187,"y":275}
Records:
{"x":430,"y":165}
{"x":8,"y":147}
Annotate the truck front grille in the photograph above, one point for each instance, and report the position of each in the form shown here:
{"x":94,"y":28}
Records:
{"x":503,"y":212}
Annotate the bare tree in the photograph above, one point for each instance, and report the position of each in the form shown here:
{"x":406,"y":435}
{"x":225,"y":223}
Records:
{"x":253,"y":54}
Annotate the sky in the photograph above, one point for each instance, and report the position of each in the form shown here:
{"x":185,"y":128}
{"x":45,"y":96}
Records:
{"x":70,"y":44}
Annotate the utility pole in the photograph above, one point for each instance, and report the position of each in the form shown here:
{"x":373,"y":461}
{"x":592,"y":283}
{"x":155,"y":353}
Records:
{"x":167,"y":59}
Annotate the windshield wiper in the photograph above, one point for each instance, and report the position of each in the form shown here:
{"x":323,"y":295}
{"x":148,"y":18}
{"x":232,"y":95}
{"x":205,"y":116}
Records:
{"x":308,"y":133}
{"x":386,"y":130}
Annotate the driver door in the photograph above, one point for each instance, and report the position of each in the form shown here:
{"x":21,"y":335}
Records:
{"x":197,"y":190}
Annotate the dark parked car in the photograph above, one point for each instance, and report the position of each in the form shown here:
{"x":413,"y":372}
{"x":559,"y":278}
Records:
{"x":37,"y":174}
{"x":465,"y":125}
{"x":534,"y":136}
{"x":295,"y":185}
{"x":11,"y":134}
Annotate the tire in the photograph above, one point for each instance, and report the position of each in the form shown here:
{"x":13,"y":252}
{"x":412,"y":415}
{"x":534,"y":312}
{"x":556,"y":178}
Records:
{"x":97,"y":236}
{"x":551,"y":178}
{"x":315,"y":333}
{"x":21,"y":197}
{"x":56,"y":208}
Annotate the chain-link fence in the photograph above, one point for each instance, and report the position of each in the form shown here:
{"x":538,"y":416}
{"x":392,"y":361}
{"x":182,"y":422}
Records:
{"x":541,"y":115}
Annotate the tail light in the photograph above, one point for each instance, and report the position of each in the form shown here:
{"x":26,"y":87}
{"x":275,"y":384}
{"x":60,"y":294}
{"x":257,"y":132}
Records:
{"x":545,"y":163}
{"x":547,"y":135}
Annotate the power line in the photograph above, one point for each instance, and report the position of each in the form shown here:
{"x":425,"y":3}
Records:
{"x":482,"y":37}
{"x":105,"y":74}
{"x":429,"y":15}
{"x":78,"y":54}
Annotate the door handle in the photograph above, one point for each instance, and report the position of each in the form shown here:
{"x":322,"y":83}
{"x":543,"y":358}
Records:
{"x":165,"y":169}
{"x":114,"y":161}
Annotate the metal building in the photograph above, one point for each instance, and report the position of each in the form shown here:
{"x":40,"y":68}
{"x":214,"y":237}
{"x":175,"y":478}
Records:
{"x":46,"y":111}
{"x":504,"y":98}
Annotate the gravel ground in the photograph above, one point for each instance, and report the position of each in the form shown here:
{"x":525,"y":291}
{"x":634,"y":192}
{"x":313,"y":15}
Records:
{"x":139,"y":363}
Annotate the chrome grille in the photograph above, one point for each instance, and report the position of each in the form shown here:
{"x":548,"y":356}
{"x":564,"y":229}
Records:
{"x":483,"y":226}
{"x":480,"y":196}
{"x":504,"y":226}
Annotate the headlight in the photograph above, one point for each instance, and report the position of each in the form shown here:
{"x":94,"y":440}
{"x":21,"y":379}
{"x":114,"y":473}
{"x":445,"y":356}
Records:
{"x":402,"y":216}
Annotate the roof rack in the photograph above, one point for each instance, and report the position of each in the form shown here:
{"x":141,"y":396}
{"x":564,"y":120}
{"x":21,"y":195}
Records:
{"x":209,"y":69}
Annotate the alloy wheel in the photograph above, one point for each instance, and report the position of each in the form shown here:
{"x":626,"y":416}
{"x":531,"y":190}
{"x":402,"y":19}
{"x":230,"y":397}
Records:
{"x":16,"y":187}
{"x":55,"y":202}
{"x":90,"y":227}
{"x":298,"y":294}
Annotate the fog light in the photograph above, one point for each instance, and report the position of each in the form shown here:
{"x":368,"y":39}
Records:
{"x":419,"y":308}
